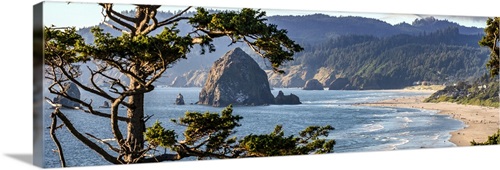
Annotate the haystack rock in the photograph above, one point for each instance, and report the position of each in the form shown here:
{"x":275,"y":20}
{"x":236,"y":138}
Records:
{"x":236,"y":79}
{"x":313,"y":84}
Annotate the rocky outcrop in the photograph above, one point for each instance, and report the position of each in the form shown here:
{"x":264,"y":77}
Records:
{"x":325,"y":75}
{"x":313,"y":84}
{"x":282,"y":99}
{"x":179,"y":81}
{"x":179,"y":100}
{"x":193,"y":78}
{"x":295,"y":76}
{"x":72,"y":90}
{"x":236,"y":79}
{"x":339,"y":84}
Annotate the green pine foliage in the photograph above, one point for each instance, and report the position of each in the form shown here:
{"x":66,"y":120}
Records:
{"x":213,"y":135}
{"x":491,"y":40}
{"x":277,"y":144}
{"x":156,"y":135}
{"x":492,"y":140}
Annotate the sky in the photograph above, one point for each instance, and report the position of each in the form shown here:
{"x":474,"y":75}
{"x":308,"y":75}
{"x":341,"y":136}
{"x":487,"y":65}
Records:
{"x":78,"y":14}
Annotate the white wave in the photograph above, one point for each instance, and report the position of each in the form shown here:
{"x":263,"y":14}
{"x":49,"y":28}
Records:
{"x":401,"y":142}
{"x":373,"y":127}
{"x":404,"y":133}
{"x":407,"y":120}
{"x":436,"y":137}
{"x":379,"y":115}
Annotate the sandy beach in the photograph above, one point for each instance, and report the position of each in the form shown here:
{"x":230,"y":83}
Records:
{"x":481,"y":122}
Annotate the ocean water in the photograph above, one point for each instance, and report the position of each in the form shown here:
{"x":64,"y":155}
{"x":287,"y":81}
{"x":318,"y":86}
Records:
{"x":357,"y":128}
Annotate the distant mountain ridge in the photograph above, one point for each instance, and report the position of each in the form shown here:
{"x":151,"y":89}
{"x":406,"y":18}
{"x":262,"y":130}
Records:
{"x":321,"y":27}
{"x":322,"y":35}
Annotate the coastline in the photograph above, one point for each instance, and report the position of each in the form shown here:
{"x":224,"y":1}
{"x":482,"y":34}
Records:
{"x":480,"y":122}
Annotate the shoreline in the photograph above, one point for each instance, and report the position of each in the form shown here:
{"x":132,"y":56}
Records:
{"x":480,"y":122}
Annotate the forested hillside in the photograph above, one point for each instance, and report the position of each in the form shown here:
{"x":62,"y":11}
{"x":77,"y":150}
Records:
{"x":370,"y":62}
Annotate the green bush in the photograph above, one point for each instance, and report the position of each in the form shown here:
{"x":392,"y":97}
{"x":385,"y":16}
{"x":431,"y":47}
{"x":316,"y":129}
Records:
{"x":492,"y":140}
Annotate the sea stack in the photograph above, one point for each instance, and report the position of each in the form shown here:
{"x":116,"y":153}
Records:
{"x":179,"y":100}
{"x":236,"y":79}
{"x":72,"y":90}
{"x":282,"y":99}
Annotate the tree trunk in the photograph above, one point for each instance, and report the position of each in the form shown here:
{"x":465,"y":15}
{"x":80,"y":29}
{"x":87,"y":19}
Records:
{"x":136,"y":126}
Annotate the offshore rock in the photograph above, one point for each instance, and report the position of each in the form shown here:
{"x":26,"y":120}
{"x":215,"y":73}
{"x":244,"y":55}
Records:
{"x":282,"y":99}
{"x":72,"y":90}
{"x":313,"y":84}
{"x":179,"y":100}
{"x":236,"y":79}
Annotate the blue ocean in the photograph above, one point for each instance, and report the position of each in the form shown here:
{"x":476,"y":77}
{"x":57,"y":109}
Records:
{"x":357,"y":128}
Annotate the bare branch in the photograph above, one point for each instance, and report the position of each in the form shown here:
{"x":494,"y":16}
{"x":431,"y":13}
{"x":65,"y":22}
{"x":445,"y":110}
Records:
{"x":85,"y":140}
{"x":72,"y":79}
{"x":127,"y":72}
{"x":253,"y":48}
{"x":174,"y":18}
{"x":108,"y":10}
{"x":116,"y":28}
{"x":82,"y":103}
{"x":104,"y":142}
{"x":92,"y":76}
{"x":153,"y":26}
{"x":114,"y":123}
{"x":163,"y":157}
{"x":127,"y":18}
{"x":54,"y":138}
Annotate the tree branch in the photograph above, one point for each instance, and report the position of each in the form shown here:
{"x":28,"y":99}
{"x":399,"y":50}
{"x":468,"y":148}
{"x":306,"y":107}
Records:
{"x":153,"y":26}
{"x":108,"y":8}
{"x":104,"y":142}
{"x":92,"y":75}
{"x":174,"y":18}
{"x":114,"y":123}
{"x":72,"y":79}
{"x":53,"y":128}
{"x":163,"y":157}
{"x":88,"y":105}
{"x":130,"y":19}
{"x":116,"y":28}
{"x":85,"y":140}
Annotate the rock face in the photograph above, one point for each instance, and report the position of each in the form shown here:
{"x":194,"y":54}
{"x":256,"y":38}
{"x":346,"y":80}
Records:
{"x":72,"y":91}
{"x":179,"y":100}
{"x":286,"y":99}
{"x":339,"y":84}
{"x":179,"y":81}
{"x":193,"y":78}
{"x":313,"y":84}
{"x":236,"y":79}
{"x":295,"y":76}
